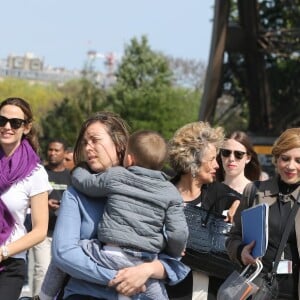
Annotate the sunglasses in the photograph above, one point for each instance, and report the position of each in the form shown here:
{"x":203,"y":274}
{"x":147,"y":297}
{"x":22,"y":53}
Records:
{"x":15,"y":123}
{"x":237,"y":154}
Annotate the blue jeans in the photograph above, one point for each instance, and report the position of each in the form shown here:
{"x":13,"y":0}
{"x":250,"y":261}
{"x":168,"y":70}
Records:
{"x":155,"y":289}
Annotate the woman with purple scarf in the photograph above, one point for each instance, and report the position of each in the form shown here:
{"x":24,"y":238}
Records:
{"x":23,"y":183}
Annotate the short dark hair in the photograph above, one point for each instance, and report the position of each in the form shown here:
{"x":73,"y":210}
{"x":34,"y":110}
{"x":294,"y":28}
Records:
{"x":69,"y":150}
{"x":59,"y":141}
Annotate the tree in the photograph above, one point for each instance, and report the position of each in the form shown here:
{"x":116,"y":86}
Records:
{"x":62,"y":121}
{"x":41,"y":97}
{"x":278,"y":39}
{"x":177,"y":106}
{"x":141,"y":74}
{"x":143,"y":94}
{"x":188,"y":73}
{"x":65,"y":118}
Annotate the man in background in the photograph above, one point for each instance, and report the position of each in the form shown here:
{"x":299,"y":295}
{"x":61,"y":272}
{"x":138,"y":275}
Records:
{"x":69,"y":160}
{"x":60,"y":178}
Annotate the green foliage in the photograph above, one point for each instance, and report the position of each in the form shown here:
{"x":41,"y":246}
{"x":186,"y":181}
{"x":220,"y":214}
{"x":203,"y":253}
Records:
{"x":143,"y":68}
{"x":285,"y":94}
{"x":177,"y":107}
{"x":282,"y":20}
{"x":90,"y":98}
{"x":143,"y":94}
{"x":65,"y":119}
{"x":41,"y":97}
{"x":279,"y":40}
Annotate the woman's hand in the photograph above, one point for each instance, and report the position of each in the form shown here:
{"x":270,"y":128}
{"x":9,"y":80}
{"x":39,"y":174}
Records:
{"x":246,"y":256}
{"x":232,"y":210}
{"x":53,"y":203}
{"x":131,"y":281}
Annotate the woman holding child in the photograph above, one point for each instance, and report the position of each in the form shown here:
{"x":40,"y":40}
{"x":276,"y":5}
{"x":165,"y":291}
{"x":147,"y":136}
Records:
{"x":101,"y":144}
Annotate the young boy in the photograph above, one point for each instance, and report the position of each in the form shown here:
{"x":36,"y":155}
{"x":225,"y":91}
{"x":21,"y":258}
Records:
{"x":143,"y":214}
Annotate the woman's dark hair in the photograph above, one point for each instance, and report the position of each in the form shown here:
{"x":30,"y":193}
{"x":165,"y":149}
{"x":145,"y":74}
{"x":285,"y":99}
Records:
{"x":116,"y":127}
{"x":32,"y":136}
{"x":253,"y":168}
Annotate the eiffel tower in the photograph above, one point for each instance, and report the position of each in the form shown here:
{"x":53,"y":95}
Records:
{"x":244,"y":36}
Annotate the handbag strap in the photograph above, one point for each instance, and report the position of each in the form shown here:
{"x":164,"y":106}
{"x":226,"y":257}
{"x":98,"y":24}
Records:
{"x":250,"y":192}
{"x":286,"y":232}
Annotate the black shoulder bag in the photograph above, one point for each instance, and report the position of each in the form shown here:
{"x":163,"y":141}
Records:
{"x":205,"y":250}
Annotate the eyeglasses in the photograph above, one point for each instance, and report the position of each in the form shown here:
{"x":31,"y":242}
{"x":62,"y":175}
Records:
{"x":15,"y":123}
{"x":237,"y":154}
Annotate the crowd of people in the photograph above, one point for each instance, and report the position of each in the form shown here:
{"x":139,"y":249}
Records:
{"x":111,"y":224}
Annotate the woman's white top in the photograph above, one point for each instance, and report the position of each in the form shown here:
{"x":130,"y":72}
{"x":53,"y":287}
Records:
{"x":17,"y":200}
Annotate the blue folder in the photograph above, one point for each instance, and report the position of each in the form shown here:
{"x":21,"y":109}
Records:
{"x":255,"y":227}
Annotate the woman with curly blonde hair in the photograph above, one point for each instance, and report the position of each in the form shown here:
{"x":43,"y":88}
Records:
{"x":192,"y":154}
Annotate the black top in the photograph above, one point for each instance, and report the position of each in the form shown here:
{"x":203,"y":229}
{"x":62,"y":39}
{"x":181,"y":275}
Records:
{"x":59,"y":182}
{"x":278,"y":216}
{"x":216,"y":196}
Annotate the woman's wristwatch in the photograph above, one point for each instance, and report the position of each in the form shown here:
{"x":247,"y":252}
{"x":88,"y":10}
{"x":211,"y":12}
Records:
{"x":4,"y":252}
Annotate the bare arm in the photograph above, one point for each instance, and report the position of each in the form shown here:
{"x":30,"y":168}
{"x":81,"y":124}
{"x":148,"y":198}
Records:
{"x":236,"y":250}
{"x":232,"y":210}
{"x":39,"y":217}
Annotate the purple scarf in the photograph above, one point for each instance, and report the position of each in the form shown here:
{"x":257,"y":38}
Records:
{"x":13,"y":169}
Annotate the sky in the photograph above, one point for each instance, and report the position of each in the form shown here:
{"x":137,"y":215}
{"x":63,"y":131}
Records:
{"x":61,"y":32}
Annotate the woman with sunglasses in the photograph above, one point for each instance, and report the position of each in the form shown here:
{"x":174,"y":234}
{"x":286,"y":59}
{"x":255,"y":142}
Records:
{"x":280,"y":193}
{"x":23,"y":183}
{"x":192,"y":153}
{"x":238,"y":162}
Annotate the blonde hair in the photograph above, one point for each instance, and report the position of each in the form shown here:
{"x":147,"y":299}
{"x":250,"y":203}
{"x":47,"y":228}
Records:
{"x":148,"y":148}
{"x":288,"y":140}
{"x":188,"y":144}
